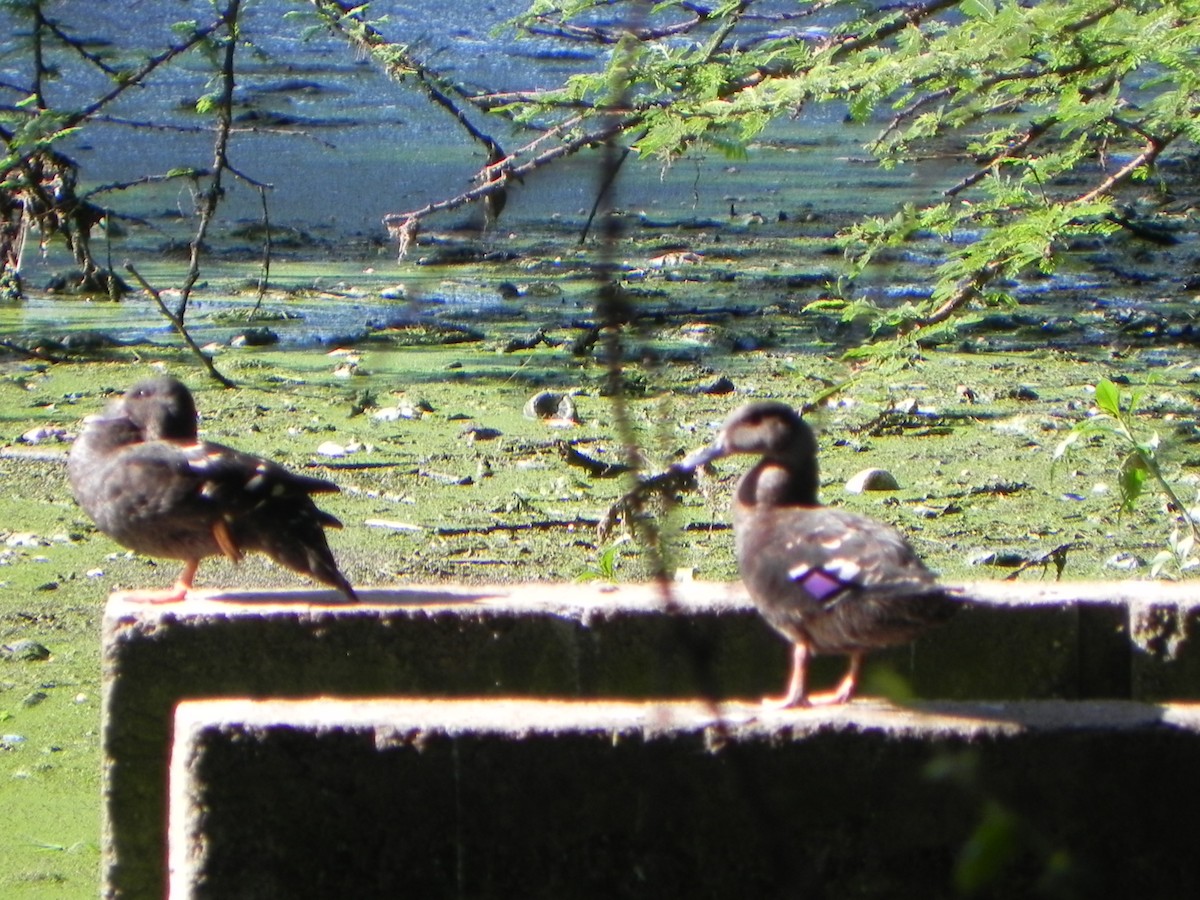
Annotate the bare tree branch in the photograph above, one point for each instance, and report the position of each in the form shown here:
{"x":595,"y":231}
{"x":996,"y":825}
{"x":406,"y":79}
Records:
{"x":179,"y":326}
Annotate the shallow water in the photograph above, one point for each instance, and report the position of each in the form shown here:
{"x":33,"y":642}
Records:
{"x":325,"y":311}
{"x":362,"y":146}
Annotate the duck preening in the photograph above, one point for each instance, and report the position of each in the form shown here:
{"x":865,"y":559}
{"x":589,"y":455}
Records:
{"x":830,"y":581}
{"x":142,"y":473}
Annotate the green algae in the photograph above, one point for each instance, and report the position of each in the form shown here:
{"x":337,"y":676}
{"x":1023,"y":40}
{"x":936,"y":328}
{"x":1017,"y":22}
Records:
{"x":443,"y":477}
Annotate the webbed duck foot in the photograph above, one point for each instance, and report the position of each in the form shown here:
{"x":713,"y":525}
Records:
{"x":176,"y":594}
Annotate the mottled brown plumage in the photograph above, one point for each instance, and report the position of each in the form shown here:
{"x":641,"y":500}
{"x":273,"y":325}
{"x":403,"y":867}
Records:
{"x":146,"y":479}
{"x":830,"y":581}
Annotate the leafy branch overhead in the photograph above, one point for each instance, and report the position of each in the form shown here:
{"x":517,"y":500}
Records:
{"x":1055,"y":105}
{"x":1059,"y":103}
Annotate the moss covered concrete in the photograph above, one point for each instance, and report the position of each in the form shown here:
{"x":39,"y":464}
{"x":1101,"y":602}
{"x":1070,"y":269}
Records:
{"x":529,"y":798}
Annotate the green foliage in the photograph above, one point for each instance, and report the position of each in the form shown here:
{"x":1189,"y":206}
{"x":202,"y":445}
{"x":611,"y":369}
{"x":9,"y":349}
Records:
{"x":1002,"y":838}
{"x":607,"y":562}
{"x":992,"y":846}
{"x":1111,"y":419}
{"x":1044,"y":96}
{"x":1138,"y":468}
{"x":208,"y":104}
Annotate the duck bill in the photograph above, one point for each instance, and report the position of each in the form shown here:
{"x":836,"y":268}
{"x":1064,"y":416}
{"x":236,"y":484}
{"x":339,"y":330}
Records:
{"x":703,"y":456}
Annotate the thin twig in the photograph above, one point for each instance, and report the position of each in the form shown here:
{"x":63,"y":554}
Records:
{"x":210,"y":199}
{"x":265,"y":278}
{"x":396,"y":223}
{"x":610,"y":174}
{"x":31,"y":353}
{"x":1154,"y":147}
{"x":1014,"y":150}
{"x":178,"y":325}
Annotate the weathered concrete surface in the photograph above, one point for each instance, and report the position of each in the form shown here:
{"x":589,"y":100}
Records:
{"x":565,"y":641}
{"x":550,"y":799}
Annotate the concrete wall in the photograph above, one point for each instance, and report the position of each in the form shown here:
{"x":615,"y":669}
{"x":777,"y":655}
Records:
{"x":553,"y":799}
{"x":573,"y":641}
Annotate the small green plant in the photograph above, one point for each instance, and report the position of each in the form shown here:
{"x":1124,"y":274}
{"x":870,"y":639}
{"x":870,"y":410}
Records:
{"x":1180,"y":551}
{"x":1139,"y":468}
{"x":607,"y":561}
{"x":1003,"y":839}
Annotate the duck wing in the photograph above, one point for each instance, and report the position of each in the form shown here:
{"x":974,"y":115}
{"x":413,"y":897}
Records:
{"x":838,"y":581}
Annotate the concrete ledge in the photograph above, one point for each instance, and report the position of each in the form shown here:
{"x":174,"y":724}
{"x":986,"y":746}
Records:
{"x":519,"y":798}
{"x":568,"y":640}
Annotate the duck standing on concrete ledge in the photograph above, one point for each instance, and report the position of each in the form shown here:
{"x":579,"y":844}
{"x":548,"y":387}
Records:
{"x":829,"y":580}
{"x":147,"y":480}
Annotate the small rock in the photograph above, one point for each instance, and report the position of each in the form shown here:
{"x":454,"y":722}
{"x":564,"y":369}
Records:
{"x":24,"y":651}
{"x":872,"y":480}
{"x":393,"y":413}
{"x":34,"y":698}
{"x":527,"y":342}
{"x":481,"y":433}
{"x":921,"y":511}
{"x":1005,"y":559}
{"x":550,"y":405}
{"x":1123,"y":562}
{"x":42,"y":434}
{"x":24,"y":539}
{"x":255,"y":337}
{"x":674,"y":260}
{"x":722,"y":385}
{"x":333,"y":449}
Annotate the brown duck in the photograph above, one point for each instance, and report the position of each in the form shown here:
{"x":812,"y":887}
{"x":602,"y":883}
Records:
{"x":142,"y":473}
{"x":830,"y":581}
